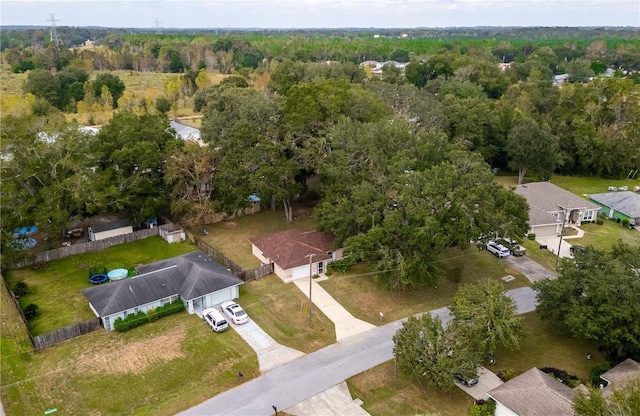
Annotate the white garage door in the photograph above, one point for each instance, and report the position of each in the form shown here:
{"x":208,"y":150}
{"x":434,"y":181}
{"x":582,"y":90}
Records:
{"x":545,"y":230}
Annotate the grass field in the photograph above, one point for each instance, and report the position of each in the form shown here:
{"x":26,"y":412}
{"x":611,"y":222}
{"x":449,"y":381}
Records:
{"x":156,"y":369}
{"x":232,"y":237}
{"x":578,"y":185}
{"x":56,"y":287}
{"x":387,"y":392}
{"x":277,"y":308}
{"x":546,"y":345}
{"x":362,"y":292}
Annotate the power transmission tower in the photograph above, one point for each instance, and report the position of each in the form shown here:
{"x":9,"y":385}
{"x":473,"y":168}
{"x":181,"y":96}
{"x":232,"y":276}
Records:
{"x":156,"y":25}
{"x":53,"y":32}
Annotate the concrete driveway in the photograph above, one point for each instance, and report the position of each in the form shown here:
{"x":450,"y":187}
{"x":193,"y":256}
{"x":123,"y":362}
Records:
{"x":270,"y":353}
{"x":487,"y":381}
{"x":532,"y":270}
{"x":552,"y":242}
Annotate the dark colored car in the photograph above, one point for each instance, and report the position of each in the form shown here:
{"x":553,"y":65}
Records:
{"x":574,"y":249}
{"x":467,"y":380}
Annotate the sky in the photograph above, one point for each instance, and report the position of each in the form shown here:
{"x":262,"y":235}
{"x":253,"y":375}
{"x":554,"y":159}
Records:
{"x":282,"y":14}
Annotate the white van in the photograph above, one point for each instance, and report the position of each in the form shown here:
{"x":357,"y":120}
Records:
{"x":214,"y":318}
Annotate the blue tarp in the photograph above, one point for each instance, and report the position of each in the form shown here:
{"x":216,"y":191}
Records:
{"x":253,"y":198}
{"x":19,"y":232}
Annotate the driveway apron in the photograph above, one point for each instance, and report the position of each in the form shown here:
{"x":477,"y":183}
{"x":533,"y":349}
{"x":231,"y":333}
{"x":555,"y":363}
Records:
{"x":270,"y":353}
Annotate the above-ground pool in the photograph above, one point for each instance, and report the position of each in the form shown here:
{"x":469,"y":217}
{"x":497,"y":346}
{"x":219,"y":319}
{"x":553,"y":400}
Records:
{"x":118,"y":274}
{"x":22,"y":244}
{"x":98,"y":279}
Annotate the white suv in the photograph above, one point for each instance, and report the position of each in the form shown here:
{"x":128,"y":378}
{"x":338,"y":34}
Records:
{"x":497,"y":250}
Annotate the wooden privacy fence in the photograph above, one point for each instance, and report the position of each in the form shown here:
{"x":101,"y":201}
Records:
{"x":90,"y":246}
{"x":52,"y":338}
{"x":246,"y":275}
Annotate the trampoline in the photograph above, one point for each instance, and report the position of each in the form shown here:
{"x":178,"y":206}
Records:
{"x":118,"y":274}
{"x":98,"y":279}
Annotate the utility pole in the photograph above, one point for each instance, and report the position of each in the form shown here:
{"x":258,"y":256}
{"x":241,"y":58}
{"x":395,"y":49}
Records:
{"x":564,"y":220}
{"x":310,"y":281}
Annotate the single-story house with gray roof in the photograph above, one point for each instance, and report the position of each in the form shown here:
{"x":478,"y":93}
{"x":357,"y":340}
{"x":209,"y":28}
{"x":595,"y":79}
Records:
{"x":533,"y":393}
{"x":104,"y":230}
{"x":548,"y":203}
{"x":620,"y":205}
{"x":194,"y":278}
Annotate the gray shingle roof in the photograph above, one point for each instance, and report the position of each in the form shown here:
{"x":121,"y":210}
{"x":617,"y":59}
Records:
{"x":545,"y":198}
{"x":622,"y":373}
{"x":191,"y":275}
{"x":626,"y":202}
{"x":534,"y":393}
{"x":104,"y":226}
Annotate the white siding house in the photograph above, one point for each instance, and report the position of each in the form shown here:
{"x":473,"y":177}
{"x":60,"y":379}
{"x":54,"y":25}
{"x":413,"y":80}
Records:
{"x":295,"y":253}
{"x":194,"y":278}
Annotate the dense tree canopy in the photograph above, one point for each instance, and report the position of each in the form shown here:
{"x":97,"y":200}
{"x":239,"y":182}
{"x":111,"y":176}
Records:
{"x":487,"y":317}
{"x":425,"y":350}
{"x":597,"y":297}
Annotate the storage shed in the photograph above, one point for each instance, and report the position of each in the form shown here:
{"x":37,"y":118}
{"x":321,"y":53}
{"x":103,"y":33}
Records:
{"x":109,"y":229}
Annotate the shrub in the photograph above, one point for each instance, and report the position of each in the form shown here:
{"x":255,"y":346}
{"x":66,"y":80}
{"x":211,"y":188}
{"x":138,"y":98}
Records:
{"x":568,"y":379}
{"x":508,"y":374}
{"x":131,"y":321}
{"x":152,"y":315}
{"x":598,"y":370}
{"x":31,"y":311}
{"x":625,"y":222}
{"x":531,"y":236}
{"x":340,"y":266}
{"x":599,"y":221}
{"x":20,"y":289}
{"x":483,"y":408}
{"x":170,"y":308}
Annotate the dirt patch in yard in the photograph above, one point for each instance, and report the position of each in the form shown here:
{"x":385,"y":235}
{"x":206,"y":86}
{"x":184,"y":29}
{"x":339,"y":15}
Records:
{"x":230,"y":224}
{"x":133,"y":358}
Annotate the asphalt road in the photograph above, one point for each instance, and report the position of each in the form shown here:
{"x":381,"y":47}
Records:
{"x":313,"y":373}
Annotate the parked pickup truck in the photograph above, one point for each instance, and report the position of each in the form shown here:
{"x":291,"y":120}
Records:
{"x":513,"y":246}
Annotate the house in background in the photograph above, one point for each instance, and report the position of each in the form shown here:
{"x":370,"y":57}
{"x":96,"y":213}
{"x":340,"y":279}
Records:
{"x":548,"y":204}
{"x":620,"y":375}
{"x":194,"y":278}
{"x":109,"y":229}
{"x":185,"y":132}
{"x":533,"y":393}
{"x":295,"y":253}
{"x":619,"y":205}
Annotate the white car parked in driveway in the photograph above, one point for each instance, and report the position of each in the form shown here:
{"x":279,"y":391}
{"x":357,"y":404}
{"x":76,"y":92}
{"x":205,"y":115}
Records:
{"x":234,"y":312}
{"x":497,"y":250}
{"x":214,"y":318}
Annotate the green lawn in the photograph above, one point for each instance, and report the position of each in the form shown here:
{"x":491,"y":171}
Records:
{"x":232,"y":237}
{"x":57,"y":286}
{"x":548,"y":344}
{"x":156,"y":369}
{"x":606,"y":235}
{"x":277,"y":308}
{"x":387,"y":392}
{"x":581,"y":185}
{"x":362,"y":293}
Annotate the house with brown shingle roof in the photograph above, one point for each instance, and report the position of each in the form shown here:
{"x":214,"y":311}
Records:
{"x":533,"y":393}
{"x":295,"y":253}
{"x":548,"y":203}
